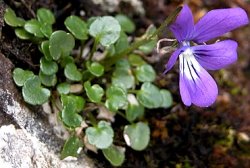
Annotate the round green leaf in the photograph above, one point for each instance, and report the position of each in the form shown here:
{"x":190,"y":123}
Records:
{"x":115,"y":155}
{"x":33,"y":26}
{"x":137,"y":135}
{"x":123,"y":78}
{"x":77,"y":102}
{"x":46,"y":29}
{"x":136,"y":60}
{"x":77,"y":27}
{"x":149,"y":96}
{"x":122,"y":43}
{"x":66,"y":60}
{"x":116,"y":98}
{"x":148,"y":47}
{"x":135,"y":109}
{"x":94,"y":92}
{"x":101,"y":136}
{"x":45,"y":16}
{"x":122,"y":64}
{"x":72,"y":73}
{"x":167,"y":99}
{"x":47,"y":80}
{"x":71,"y":147}
{"x":63,"y":88}
{"x":48,"y":67}
{"x":45,"y":50}
{"x":106,"y":30}
{"x":145,"y":73}
{"x":70,"y":117}
{"x":95,"y":68}
{"x":12,"y":20}
{"x":33,"y":93}
{"x":126,"y":23}
{"x":20,"y":76}
{"x":22,"y":34}
{"x":61,"y":44}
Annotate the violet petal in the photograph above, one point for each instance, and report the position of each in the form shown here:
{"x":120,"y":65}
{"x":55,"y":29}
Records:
{"x":173,"y":58}
{"x":218,"y":22}
{"x":217,"y":55}
{"x":196,"y":85}
{"x":183,"y":25}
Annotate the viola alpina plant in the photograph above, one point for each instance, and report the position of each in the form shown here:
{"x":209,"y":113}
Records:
{"x":195,"y":57}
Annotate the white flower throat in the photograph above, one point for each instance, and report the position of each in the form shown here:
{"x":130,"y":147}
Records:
{"x":189,"y":65}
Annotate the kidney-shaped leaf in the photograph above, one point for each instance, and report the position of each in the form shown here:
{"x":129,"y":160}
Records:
{"x":106,"y":30}
{"x":126,"y":23}
{"x":115,"y":155}
{"x":116,"y":98}
{"x":94,"y":92}
{"x":145,"y":73}
{"x":61,"y":44}
{"x":33,"y":27}
{"x":33,"y":93}
{"x":135,"y":109}
{"x":47,"y":80}
{"x":77,"y":101}
{"x":63,"y":88}
{"x":70,"y":117}
{"x":72,"y":73}
{"x":149,"y":96}
{"x":11,"y":19}
{"x":77,"y":27}
{"x":71,"y":147}
{"x":45,"y":16}
{"x":137,"y":135}
{"x":95,"y":68}
{"x":48,"y":67}
{"x":101,"y":136}
{"x":20,"y":76}
{"x":167,"y":99}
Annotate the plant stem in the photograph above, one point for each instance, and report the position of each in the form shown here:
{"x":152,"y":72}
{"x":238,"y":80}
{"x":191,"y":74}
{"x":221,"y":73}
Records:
{"x":136,"y":44}
{"x":92,"y":119}
{"x":93,"y":48}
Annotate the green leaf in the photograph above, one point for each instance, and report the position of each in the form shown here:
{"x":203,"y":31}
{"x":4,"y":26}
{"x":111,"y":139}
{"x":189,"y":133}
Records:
{"x":22,"y":34}
{"x":122,"y":64}
{"x":101,"y":136}
{"x":47,"y":80}
{"x":33,"y":27}
{"x":48,"y":67}
{"x":136,"y":60}
{"x":115,"y":155}
{"x":12,"y":20}
{"x":134,"y":110}
{"x":72,"y":73}
{"x":148,"y":47}
{"x":46,"y":29}
{"x":45,"y":16}
{"x":71,"y":147}
{"x":77,"y":27}
{"x":70,"y":117}
{"x":106,"y":30}
{"x":95,"y":68}
{"x":45,"y":50}
{"x":137,"y":135}
{"x":66,"y":60}
{"x":122,"y":43}
{"x":145,"y":73}
{"x":94,"y":92}
{"x":63,"y":88}
{"x":126,"y":23}
{"x":20,"y":76}
{"x":116,"y":98}
{"x":61,"y":44}
{"x":123,"y":78}
{"x":77,"y":102}
{"x":167,"y":99}
{"x":33,"y":93}
{"x":149,"y":96}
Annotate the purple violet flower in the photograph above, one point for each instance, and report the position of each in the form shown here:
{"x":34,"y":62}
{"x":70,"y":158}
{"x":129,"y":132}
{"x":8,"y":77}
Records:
{"x":196,"y":85}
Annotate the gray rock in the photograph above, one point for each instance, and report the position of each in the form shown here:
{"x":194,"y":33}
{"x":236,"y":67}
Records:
{"x":29,"y":141}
